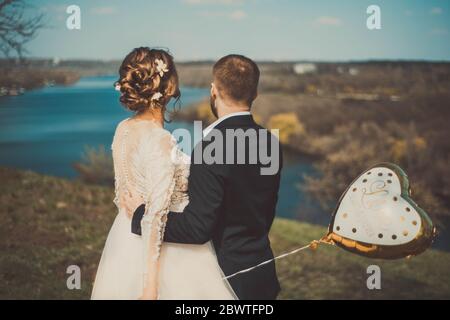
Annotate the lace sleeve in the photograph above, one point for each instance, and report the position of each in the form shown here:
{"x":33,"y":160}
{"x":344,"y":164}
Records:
{"x":157,"y":183}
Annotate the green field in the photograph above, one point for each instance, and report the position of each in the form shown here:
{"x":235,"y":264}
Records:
{"x":50,"y":223}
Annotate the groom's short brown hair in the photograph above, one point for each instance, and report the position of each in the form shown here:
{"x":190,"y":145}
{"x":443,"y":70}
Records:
{"x":237,"y":78}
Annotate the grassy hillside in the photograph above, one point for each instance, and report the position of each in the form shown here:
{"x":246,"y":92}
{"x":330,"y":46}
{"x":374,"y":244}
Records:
{"x":49,"y":223}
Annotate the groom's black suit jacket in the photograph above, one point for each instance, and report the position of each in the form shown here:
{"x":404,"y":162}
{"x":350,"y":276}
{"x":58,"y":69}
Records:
{"x":234,"y":205}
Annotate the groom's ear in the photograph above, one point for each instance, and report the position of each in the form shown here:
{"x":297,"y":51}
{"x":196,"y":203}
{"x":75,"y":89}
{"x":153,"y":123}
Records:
{"x":214,"y":92}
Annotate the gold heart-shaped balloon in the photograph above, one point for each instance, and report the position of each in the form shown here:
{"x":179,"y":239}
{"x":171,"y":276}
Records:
{"x":375,"y":216}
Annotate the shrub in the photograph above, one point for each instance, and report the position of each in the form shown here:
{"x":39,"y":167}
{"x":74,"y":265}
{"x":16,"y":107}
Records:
{"x":288,"y":124}
{"x":355,"y":147}
{"x":96,"y":166}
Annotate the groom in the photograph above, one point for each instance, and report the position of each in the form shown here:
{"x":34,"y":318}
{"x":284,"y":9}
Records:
{"x":233,"y":203}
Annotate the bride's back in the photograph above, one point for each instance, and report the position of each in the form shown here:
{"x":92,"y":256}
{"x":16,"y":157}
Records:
{"x":136,"y":148}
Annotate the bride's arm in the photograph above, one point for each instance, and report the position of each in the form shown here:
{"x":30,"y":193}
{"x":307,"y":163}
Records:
{"x":158,"y":176}
{"x":195,"y":224}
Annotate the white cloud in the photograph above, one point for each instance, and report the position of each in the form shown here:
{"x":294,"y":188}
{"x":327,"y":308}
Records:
{"x":328,"y":21}
{"x":238,"y":15}
{"x":201,"y":2}
{"x":235,"y":15}
{"x":436,"y":11}
{"x":102,"y":11}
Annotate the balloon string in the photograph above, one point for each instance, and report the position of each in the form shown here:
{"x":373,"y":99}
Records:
{"x":313,"y":245}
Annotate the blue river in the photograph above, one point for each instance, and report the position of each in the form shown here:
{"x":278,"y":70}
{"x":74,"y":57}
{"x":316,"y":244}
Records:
{"x":47,"y":131}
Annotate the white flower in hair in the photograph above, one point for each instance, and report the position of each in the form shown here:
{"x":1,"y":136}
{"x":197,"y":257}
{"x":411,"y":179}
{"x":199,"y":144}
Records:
{"x":161,"y":67}
{"x":117,"y":87}
{"x":156,"y":96}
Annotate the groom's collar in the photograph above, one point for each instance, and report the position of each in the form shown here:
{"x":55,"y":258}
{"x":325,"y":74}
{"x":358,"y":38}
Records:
{"x":222,"y":119}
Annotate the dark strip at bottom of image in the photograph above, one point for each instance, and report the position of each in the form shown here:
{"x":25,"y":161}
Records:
{"x":279,"y":309}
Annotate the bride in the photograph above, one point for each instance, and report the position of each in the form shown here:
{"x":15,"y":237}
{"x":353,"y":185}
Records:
{"x":147,"y":164}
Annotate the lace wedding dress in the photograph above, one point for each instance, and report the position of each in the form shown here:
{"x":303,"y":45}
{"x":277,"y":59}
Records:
{"x":148,"y":163}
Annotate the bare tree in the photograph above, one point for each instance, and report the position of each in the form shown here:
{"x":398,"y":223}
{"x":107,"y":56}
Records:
{"x":17,"y":26}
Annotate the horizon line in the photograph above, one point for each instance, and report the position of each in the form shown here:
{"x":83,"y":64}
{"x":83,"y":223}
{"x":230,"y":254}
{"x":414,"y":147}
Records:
{"x":210,"y":60}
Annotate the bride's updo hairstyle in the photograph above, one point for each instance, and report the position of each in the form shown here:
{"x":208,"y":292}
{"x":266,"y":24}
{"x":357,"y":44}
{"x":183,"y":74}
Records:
{"x":147,"y":79}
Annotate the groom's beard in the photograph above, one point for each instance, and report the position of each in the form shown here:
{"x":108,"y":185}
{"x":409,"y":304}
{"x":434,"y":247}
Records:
{"x":212,"y":104}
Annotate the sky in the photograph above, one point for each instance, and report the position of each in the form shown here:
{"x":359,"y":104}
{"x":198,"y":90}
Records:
{"x":316,"y":30}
